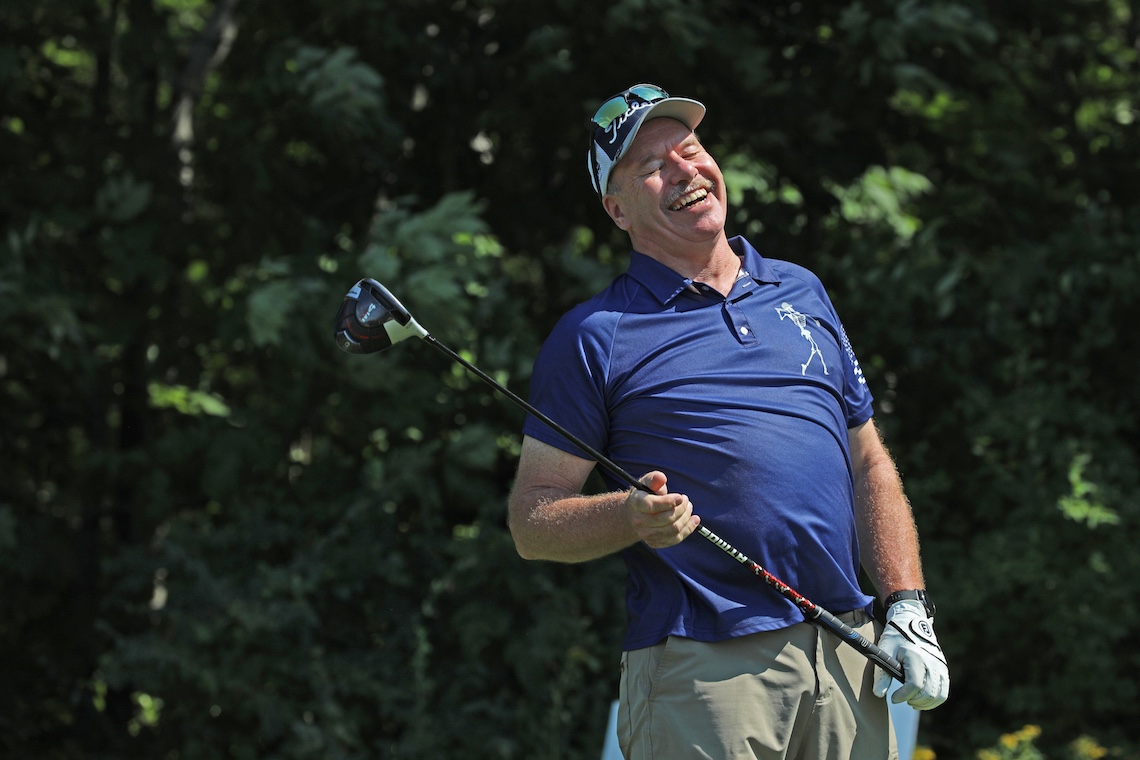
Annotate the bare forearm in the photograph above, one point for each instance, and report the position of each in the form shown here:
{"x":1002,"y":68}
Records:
{"x":888,"y":537}
{"x":553,"y":525}
{"x":550,"y":519}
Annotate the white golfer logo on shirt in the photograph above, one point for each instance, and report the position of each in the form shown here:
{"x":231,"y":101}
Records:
{"x":801,"y":321}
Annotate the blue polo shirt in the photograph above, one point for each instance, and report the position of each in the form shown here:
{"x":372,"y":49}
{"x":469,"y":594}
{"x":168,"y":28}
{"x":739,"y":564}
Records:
{"x":744,"y":403}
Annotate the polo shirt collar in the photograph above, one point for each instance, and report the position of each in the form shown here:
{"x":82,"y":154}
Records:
{"x":665,"y":284}
{"x":756,"y":265}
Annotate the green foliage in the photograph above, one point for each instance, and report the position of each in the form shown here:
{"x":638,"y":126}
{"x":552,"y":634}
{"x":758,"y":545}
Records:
{"x":220,"y":536}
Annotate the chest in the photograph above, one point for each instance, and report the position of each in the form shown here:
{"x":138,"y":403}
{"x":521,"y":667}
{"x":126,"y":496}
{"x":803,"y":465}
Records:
{"x":766,"y":337}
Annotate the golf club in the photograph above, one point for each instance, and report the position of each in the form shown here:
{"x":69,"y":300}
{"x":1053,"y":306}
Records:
{"x":371,"y":319}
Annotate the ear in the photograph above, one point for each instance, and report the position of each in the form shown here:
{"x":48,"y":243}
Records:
{"x":613,"y":207}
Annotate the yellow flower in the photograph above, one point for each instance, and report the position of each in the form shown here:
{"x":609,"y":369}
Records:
{"x":1087,"y":748}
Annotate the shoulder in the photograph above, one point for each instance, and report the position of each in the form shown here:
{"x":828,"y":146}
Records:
{"x":597,"y":319}
{"x":799,"y":281}
{"x":774,"y":270}
{"x":788,"y":270}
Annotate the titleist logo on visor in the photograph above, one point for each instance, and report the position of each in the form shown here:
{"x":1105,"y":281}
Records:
{"x":614,"y":129}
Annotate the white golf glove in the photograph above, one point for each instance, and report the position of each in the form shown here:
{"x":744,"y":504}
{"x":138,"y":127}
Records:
{"x":909,"y":638}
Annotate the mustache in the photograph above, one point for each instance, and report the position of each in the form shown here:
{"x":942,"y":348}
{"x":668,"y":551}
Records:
{"x":700,"y":183}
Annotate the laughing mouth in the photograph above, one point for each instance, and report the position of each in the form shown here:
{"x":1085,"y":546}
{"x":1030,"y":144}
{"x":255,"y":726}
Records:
{"x":690,"y":198}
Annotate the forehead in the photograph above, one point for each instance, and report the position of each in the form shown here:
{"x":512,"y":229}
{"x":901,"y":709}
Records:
{"x":658,"y":136}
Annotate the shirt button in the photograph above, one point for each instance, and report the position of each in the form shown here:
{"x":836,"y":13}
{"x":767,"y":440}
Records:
{"x":743,"y":330}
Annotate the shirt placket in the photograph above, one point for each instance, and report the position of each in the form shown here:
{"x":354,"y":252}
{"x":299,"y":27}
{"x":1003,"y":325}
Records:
{"x":741,"y":327}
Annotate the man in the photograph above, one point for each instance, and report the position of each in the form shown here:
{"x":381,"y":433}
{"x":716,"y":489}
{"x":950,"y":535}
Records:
{"x":727,"y":379}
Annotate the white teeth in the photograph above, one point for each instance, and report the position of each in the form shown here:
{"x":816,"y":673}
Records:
{"x":688,"y":198}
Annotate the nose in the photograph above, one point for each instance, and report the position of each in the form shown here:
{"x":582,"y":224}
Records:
{"x":684,"y":169}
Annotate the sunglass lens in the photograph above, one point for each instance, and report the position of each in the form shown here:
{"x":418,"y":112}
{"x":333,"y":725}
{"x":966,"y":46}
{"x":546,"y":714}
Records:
{"x":648,"y":92}
{"x":610,"y":110}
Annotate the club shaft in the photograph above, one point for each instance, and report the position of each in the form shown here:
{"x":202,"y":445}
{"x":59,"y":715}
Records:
{"x":811,"y":611}
{"x":611,"y":466}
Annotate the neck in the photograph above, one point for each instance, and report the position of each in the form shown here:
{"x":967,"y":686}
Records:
{"x":715,"y":264}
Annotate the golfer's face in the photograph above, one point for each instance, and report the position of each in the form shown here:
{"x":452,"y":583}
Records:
{"x":669,"y":190}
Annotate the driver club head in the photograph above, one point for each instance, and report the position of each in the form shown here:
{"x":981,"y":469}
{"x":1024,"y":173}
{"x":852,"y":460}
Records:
{"x":371,"y":320}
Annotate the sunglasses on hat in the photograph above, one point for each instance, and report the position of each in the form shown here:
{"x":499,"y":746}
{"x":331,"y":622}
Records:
{"x":619,"y":104}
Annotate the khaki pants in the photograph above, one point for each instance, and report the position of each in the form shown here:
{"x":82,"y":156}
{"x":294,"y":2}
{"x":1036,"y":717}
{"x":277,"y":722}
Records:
{"x":793,"y":694}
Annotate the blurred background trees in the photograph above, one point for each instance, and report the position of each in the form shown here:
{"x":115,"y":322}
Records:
{"x":221,"y":537}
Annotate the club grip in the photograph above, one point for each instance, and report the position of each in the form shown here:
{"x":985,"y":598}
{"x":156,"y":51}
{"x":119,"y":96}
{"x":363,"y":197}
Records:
{"x":872,"y":651}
